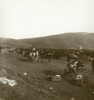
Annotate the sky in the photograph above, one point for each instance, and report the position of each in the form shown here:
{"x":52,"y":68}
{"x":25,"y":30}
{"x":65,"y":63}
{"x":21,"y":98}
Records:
{"x":37,"y":18}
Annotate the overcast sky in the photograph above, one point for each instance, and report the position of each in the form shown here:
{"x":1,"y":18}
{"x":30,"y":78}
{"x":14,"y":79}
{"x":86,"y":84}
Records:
{"x":35,"y":18}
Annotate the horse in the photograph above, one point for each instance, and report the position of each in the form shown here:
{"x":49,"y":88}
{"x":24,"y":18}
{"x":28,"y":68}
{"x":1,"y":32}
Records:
{"x":33,"y":55}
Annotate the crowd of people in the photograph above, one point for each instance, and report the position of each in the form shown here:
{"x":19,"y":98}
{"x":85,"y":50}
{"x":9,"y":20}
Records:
{"x":43,"y":53}
{"x":74,"y":57}
{"x":75,"y":60}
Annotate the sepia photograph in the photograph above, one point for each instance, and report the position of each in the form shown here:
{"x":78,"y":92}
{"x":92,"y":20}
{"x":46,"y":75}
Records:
{"x":46,"y":49}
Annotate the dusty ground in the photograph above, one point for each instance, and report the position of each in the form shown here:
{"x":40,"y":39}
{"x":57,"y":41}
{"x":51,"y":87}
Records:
{"x":35,"y":86}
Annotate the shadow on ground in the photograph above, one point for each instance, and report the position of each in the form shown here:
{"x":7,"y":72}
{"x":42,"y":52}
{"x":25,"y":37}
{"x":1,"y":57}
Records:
{"x":23,"y":59}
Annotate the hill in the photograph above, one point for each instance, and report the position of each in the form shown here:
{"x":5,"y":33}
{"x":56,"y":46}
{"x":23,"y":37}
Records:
{"x":66,"y":41}
{"x":8,"y":42}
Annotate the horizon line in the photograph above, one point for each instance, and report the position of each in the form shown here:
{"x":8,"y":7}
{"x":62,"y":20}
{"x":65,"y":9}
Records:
{"x":46,"y":35}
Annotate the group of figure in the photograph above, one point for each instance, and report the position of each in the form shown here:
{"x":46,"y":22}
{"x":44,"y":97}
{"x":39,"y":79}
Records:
{"x":75,"y":66}
{"x":73,"y":56}
{"x":35,"y":54}
{"x":75,"y":69}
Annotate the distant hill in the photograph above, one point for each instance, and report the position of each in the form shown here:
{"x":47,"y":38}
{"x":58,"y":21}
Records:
{"x":8,"y":41}
{"x":66,"y":41}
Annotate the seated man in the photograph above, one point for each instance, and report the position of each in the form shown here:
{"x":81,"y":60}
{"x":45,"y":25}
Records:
{"x":75,"y":66}
{"x":80,"y":67}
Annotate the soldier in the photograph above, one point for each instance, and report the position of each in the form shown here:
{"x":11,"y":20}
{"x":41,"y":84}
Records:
{"x":49,"y":56}
{"x":93,"y":65}
{"x":0,"y":48}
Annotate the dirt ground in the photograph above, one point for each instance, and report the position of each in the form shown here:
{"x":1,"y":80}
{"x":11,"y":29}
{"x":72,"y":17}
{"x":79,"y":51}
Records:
{"x":32,"y":82}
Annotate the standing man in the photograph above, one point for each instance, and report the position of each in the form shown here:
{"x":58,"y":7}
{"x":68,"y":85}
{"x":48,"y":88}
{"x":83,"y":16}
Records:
{"x":92,"y":65}
{"x":49,"y":56}
{"x":0,"y":48}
